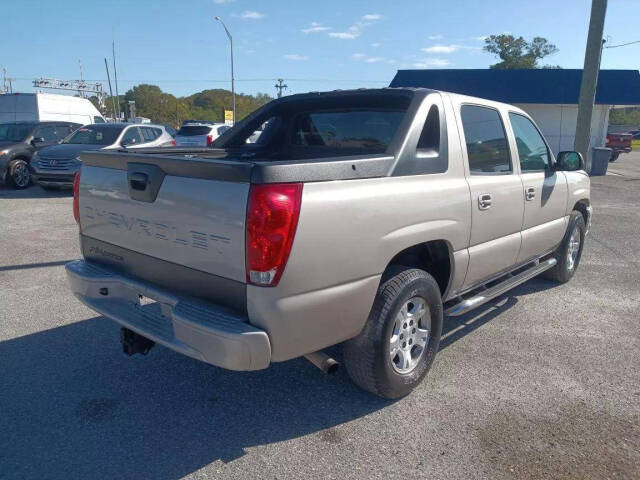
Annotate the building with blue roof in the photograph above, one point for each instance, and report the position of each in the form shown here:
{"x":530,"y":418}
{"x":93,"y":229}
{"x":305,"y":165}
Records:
{"x":550,"y":96}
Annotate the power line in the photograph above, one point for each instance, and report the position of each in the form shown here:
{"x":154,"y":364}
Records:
{"x":622,"y":44}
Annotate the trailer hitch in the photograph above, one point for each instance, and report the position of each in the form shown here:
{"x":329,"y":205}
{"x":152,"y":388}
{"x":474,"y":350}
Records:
{"x":133,"y":343}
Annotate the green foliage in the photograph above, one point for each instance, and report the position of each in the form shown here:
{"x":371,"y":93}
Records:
{"x":161,"y":107}
{"x":517,"y":52}
{"x":625,"y":116}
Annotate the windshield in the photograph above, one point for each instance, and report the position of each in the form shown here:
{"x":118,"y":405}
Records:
{"x":94,"y":135}
{"x":14,"y":132}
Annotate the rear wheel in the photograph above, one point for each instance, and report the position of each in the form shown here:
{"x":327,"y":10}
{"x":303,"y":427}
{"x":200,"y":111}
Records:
{"x":399,"y":342}
{"x":569,"y":252}
{"x":19,"y":174}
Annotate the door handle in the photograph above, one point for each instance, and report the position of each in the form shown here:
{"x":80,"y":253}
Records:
{"x":484,"y":201}
{"x":530,"y":194}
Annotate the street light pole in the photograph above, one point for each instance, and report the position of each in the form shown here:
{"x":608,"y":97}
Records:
{"x":233,"y":87}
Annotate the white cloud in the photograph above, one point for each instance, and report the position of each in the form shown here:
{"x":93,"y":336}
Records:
{"x":362,"y":57}
{"x":376,"y":44}
{"x":435,"y":37}
{"x":315,"y":28}
{"x":295,"y":56}
{"x":432,"y":62}
{"x":250,"y":52}
{"x":223,"y":1}
{"x":441,"y":49}
{"x":345,"y":35}
{"x":481,"y":38}
{"x":251,"y":15}
{"x":355,"y":30}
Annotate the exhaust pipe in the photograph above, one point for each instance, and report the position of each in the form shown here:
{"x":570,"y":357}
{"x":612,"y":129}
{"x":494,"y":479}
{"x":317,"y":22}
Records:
{"x":324,"y":362}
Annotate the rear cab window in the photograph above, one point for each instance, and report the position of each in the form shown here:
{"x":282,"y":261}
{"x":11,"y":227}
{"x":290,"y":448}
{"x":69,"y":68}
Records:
{"x":486,"y":141}
{"x":344,"y":125}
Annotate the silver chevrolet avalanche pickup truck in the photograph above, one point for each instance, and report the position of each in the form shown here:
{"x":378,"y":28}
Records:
{"x":358,"y":218}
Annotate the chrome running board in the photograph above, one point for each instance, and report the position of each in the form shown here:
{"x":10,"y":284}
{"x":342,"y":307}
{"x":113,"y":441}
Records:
{"x":484,"y":293}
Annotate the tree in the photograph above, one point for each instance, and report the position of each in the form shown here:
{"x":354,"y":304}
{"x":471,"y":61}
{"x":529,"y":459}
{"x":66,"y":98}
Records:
{"x":517,"y":52}
{"x":161,"y":107}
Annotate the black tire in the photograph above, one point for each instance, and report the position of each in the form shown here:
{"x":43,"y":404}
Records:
{"x":614,"y":156}
{"x":367,"y":356}
{"x":18,"y":174}
{"x":49,"y":188}
{"x":563,"y":271}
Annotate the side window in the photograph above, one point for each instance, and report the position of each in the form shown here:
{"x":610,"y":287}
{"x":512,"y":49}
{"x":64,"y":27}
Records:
{"x":487,"y":146}
{"x":48,"y":132}
{"x":156,"y":132}
{"x":533,"y":152}
{"x":430,"y":137}
{"x":147,"y":134}
{"x":98,"y":120}
{"x":132,"y":137}
{"x":62,"y":131}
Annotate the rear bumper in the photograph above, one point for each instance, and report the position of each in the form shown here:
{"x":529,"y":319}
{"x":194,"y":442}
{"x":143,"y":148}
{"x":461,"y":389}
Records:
{"x":198,"y":329}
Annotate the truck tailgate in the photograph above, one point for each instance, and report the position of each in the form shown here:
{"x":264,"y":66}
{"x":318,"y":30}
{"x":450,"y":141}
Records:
{"x":196,"y":220}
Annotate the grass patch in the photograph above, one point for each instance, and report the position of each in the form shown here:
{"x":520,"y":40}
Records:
{"x":635,"y":144}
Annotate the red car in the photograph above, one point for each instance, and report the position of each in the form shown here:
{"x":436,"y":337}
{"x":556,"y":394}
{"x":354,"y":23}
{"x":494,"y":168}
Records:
{"x":619,"y":143}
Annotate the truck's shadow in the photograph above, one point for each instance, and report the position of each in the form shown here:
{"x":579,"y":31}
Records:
{"x":34,"y":191}
{"x":73,"y":407}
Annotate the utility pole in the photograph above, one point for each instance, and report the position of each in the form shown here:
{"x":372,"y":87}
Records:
{"x":280,"y":86}
{"x":81,"y":78}
{"x":115,"y":76}
{"x":233,"y":87}
{"x":590,"y":77}
{"x":113,"y":102}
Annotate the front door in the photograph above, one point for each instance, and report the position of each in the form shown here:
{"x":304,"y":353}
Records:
{"x":545,"y":191}
{"x":496,"y":194}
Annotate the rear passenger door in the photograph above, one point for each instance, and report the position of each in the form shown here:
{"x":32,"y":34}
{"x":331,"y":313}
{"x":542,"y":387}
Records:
{"x":545,"y":191}
{"x":496,"y":194}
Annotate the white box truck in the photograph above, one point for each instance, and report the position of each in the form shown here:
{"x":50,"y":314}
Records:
{"x":19,"y":107}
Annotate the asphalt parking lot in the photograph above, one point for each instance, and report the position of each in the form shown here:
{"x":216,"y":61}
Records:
{"x":545,"y":383}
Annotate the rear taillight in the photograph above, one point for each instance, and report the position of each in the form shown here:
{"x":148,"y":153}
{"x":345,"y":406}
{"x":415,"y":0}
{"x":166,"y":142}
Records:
{"x":272,"y":217}
{"x":173,"y":143}
{"x":76,"y":192}
{"x":209,"y":140}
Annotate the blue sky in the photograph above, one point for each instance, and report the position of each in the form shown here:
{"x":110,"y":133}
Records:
{"x":312,"y":45}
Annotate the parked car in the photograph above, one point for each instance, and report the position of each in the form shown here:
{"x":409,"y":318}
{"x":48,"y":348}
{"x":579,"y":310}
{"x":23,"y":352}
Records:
{"x":358,"y":218}
{"x":40,"y":107}
{"x":199,"y":134}
{"x":57,"y":165}
{"x":18,"y":143}
{"x":619,"y":143}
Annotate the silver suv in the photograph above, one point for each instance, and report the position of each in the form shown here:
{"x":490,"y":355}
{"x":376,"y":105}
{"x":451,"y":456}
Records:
{"x":56,"y":166}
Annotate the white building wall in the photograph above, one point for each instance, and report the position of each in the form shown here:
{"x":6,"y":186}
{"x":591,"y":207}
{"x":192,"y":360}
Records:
{"x":558,"y":123}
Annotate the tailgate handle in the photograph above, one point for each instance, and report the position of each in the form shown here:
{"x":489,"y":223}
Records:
{"x":139,"y":181}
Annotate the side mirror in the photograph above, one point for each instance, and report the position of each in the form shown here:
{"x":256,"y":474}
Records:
{"x":125,"y":143}
{"x":37,"y":141}
{"x":570,"y":161}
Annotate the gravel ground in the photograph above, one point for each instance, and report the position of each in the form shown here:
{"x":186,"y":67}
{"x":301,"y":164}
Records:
{"x":544,"y":383}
